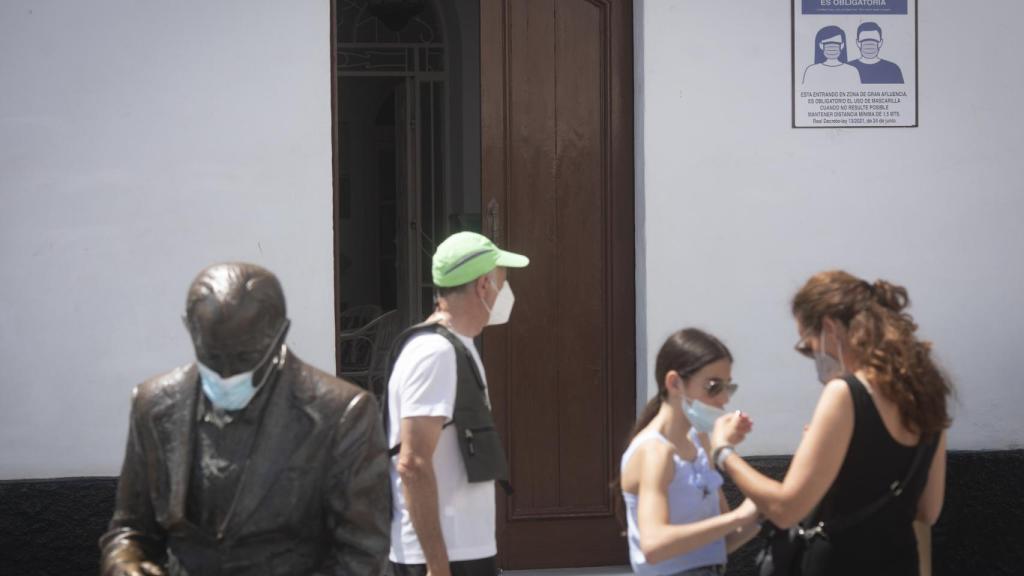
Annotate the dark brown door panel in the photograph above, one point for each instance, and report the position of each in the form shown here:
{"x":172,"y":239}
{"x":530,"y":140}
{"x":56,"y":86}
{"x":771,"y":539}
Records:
{"x":557,"y":120}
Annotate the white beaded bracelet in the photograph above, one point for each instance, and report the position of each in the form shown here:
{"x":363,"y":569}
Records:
{"x":720,"y":454}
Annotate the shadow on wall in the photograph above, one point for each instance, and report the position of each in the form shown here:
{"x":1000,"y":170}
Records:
{"x":52,"y":526}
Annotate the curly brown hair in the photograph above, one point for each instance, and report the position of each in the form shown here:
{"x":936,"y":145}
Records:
{"x":882,"y":338}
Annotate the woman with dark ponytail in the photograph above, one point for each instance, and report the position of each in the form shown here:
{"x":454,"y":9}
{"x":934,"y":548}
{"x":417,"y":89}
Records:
{"x":677,"y":518}
{"x":873,"y":458}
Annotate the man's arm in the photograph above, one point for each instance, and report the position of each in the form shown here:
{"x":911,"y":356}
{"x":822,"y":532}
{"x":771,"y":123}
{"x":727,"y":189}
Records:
{"x":358,"y":493}
{"x":134,"y":543}
{"x":419,"y":436}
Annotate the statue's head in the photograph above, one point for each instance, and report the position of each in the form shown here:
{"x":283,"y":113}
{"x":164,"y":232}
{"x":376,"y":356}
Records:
{"x":235,"y":313}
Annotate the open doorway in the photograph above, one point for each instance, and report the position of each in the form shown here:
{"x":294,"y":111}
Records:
{"x":524,"y":108}
{"x":408,"y":126}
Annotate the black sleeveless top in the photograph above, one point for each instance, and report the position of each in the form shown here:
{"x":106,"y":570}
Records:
{"x":883,"y":544}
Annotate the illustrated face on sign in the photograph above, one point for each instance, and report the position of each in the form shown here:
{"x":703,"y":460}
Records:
{"x":832,"y":47}
{"x":869,"y":42}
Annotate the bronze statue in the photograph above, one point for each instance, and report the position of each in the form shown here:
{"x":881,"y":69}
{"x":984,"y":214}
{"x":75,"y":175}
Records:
{"x":248,"y":461}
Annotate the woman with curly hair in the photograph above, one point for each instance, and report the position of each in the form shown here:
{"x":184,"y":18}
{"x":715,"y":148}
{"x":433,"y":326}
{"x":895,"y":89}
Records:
{"x":873,"y":458}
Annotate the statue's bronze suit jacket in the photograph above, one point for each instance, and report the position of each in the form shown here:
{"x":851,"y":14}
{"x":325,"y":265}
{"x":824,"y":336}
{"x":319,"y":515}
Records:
{"x":314,"y":498}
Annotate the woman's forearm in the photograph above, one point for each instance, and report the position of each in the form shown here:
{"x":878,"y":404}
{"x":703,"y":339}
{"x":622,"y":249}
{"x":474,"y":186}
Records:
{"x":766,"y":493}
{"x":659,"y":543}
{"x":735,"y":540}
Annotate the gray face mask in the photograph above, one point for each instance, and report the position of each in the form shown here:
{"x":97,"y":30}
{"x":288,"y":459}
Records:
{"x":828,"y":367}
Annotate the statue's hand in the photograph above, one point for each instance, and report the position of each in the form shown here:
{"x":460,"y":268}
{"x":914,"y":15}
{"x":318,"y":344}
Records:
{"x":131,"y":568}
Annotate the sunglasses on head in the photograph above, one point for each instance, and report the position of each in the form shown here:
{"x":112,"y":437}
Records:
{"x":716,"y":386}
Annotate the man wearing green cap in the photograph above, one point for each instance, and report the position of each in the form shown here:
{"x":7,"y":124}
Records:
{"x":446,"y":455}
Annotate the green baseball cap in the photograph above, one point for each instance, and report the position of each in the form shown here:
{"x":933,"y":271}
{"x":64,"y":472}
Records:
{"x":466,"y":256}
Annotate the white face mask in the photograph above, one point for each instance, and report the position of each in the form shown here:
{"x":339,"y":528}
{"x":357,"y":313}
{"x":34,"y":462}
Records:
{"x":502,"y":309}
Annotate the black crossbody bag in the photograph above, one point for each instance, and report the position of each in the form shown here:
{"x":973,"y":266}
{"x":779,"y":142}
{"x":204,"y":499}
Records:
{"x":783,"y":550}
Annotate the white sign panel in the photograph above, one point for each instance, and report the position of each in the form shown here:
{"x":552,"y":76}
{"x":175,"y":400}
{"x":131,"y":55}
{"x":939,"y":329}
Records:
{"x":854,"y":63}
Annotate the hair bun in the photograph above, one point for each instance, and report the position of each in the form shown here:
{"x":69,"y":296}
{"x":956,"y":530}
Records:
{"x":891,"y":296}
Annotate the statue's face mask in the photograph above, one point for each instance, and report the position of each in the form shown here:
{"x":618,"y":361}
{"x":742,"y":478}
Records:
{"x":236,"y":391}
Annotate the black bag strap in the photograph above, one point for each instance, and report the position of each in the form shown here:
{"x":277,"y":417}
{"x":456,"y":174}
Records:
{"x":461,"y":350}
{"x":396,"y":350}
{"x":434,"y":327}
{"x":895,"y":489}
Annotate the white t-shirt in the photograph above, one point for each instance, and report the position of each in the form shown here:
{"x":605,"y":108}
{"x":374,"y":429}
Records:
{"x":423,"y":383}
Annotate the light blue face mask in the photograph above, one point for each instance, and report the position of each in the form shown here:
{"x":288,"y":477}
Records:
{"x":231,"y":393}
{"x":702,"y":416}
{"x":236,"y":391}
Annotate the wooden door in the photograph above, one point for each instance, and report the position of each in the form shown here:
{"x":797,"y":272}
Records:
{"x":557,"y":185}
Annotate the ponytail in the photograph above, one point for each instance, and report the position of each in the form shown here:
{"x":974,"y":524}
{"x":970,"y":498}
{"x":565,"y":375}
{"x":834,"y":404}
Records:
{"x":648,"y":414}
{"x":685,"y":352}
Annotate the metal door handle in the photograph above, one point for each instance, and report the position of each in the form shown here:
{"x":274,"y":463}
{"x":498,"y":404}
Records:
{"x":492,"y":215}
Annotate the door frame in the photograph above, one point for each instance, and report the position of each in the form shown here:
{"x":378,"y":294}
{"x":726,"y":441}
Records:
{"x":335,"y":181}
{"x":625,"y":208}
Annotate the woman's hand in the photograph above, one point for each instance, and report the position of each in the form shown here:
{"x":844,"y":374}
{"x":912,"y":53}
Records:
{"x":746,"y":513}
{"x":730,"y":429}
{"x":442,"y":317}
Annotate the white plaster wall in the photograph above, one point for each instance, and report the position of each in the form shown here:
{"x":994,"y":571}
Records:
{"x":740,"y":208}
{"x":139,"y":142}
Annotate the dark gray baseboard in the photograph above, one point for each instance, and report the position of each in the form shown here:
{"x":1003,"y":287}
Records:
{"x":981,"y":530}
{"x":51,"y":526}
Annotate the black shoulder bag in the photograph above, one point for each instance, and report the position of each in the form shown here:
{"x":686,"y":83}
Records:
{"x":783,"y":549}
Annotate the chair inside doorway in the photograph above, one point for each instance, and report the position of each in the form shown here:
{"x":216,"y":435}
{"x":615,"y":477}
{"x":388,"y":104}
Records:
{"x":364,"y":350}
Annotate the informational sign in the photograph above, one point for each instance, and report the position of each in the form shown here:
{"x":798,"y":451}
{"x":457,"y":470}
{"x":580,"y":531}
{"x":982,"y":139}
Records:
{"x":854,"y":63}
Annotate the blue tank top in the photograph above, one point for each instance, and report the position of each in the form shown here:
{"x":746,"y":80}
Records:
{"x":692,"y":497}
